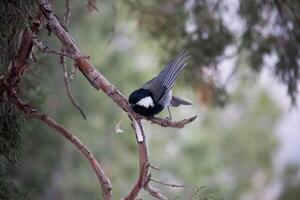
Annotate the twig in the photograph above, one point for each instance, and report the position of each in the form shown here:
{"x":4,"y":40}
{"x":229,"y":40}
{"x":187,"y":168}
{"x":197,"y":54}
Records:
{"x":32,"y":112}
{"x":68,"y":89}
{"x":154,"y":192}
{"x":166,"y":184}
{"x":67,"y":14}
{"x":45,"y":49}
{"x":169,"y":123}
{"x":143,"y":160}
{"x":144,"y":165}
{"x":154,"y":167}
{"x":73,"y":73}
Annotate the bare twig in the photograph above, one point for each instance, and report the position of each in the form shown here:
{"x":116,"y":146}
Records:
{"x":154,"y":192}
{"x":169,"y":123}
{"x":144,"y":165}
{"x":32,"y":112}
{"x":143,"y":160}
{"x":154,"y":167}
{"x":67,"y":14}
{"x":68,"y":89}
{"x":166,"y":184}
{"x":45,"y":49}
{"x":73,"y":73}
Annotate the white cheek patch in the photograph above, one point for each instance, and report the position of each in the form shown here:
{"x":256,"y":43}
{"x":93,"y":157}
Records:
{"x":146,"y":102}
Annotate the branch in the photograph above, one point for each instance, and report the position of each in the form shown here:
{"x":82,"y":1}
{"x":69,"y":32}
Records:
{"x":45,"y":49}
{"x":144,"y":165}
{"x":19,"y":63}
{"x":73,"y":73}
{"x":32,"y":112}
{"x":143,"y":160}
{"x":169,"y":123}
{"x":68,"y":89}
{"x":154,"y":192}
{"x":67,"y":14}
{"x":64,"y":64}
{"x":166,"y":184}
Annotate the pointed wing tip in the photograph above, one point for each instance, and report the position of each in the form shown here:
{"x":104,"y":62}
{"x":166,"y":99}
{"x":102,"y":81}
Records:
{"x":176,"y":101}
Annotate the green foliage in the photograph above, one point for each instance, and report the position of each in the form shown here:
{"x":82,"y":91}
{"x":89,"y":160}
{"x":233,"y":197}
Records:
{"x":166,"y":22}
{"x":8,"y":190}
{"x":11,"y":138}
{"x":283,"y":40}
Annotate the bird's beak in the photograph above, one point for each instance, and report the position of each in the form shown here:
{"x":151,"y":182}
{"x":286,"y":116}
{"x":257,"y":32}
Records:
{"x":132,"y":105}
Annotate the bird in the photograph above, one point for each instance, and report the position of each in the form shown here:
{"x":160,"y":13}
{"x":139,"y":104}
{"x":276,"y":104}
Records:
{"x":156,"y":94}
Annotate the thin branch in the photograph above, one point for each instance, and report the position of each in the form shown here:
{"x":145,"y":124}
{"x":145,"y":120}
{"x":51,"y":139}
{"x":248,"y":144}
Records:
{"x":154,"y":192}
{"x":67,"y":14}
{"x":32,"y":112}
{"x":172,"y":124}
{"x":45,"y":49}
{"x":166,"y":184}
{"x":144,"y":165}
{"x":143,"y":160}
{"x":73,"y":73}
{"x":68,"y":89}
{"x":154,"y":167}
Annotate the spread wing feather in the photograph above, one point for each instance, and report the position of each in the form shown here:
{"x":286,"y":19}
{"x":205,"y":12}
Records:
{"x":164,"y":81}
{"x":169,"y":74}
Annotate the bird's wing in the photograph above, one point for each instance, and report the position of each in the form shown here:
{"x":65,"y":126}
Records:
{"x":164,"y":81}
{"x":156,"y":87}
{"x":176,"y":101}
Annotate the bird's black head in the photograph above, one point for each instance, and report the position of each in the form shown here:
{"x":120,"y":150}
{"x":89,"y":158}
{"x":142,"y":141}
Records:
{"x":142,"y":102}
{"x":139,"y":94}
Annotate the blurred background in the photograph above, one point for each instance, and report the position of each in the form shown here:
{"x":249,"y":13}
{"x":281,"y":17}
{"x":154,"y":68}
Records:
{"x":242,"y":80}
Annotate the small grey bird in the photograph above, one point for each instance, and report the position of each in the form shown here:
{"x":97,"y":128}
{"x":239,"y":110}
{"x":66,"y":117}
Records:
{"x":156,"y":94}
